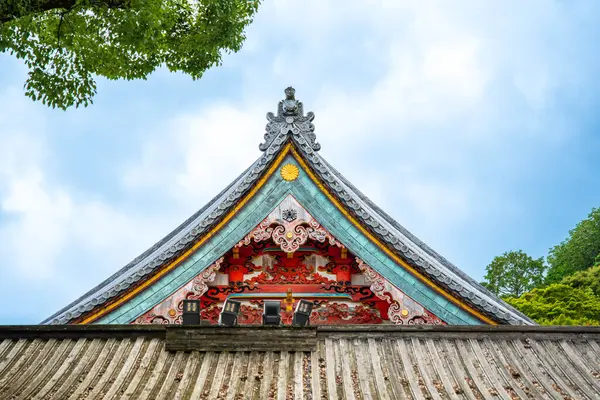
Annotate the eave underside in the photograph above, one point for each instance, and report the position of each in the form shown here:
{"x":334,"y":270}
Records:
{"x":113,"y":362}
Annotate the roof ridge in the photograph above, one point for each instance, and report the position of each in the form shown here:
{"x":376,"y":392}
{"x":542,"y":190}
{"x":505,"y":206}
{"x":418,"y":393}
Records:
{"x":147,"y":252}
{"x":290,"y":124}
{"x":411,"y":255}
{"x":422,"y":245}
{"x":205,"y":218}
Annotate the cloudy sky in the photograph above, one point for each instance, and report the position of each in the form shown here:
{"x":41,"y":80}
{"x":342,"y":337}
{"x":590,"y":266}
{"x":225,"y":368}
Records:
{"x":473,"y":123}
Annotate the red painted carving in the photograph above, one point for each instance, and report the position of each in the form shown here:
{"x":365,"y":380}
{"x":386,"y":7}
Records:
{"x":287,"y":317}
{"x":289,"y":273}
{"x":329,"y":313}
{"x":211,"y":314}
{"x":236,"y":273}
{"x":340,"y":313}
{"x":250,"y":315}
{"x":342,"y":267}
{"x":289,"y":256}
{"x":171,"y":308}
{"x":402,"y":309}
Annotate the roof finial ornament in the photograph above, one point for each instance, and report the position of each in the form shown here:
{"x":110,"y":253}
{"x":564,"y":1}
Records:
{"x":290,"y":104}
{"x":290,"y":120}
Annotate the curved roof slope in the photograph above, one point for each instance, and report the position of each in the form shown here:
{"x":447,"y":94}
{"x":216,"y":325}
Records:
{"x":290,"y":124}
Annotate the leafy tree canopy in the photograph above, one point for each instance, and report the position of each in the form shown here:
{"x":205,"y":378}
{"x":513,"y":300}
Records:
{"x":578,"y":252}
{"x":590,"y":278}
{"x":66,"y":43}
{"x":514,"y":273}
{"x":559,"y":304}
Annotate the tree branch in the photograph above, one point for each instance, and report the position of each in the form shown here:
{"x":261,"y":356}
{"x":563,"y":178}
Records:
{"x":15,"y":9}
{"x":62,"y":16}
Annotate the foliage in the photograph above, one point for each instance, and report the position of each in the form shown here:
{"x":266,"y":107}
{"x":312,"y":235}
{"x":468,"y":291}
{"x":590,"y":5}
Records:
{"x":578,"y":252}
{"x":562,"y":320}
{"x":590,"y":278}
{"x":559,"y":304}
{"x":66,"y":43}
{"x":572,"y":292}
{"x":513,"y":273}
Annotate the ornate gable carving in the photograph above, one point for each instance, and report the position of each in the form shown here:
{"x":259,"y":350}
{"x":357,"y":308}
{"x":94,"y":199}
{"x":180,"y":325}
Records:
{"x":289,"y":226}
{"x":290,"y":256}
{"x":403,"y":309}
{"x":169,"y":310}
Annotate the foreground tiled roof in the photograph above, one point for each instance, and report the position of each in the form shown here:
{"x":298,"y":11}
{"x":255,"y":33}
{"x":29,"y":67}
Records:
{"x":352,"y":362}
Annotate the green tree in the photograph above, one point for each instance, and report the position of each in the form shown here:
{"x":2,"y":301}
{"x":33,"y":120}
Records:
{"x":578,"y":252}
{"x":590,"y":278}
{"x":559,"y":304}
{"x":514,"y":273}
{"x":66,"y":43}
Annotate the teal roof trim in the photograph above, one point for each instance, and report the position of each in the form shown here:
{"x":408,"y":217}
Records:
{"x":290,"y":124}
{"x":315,"y":202}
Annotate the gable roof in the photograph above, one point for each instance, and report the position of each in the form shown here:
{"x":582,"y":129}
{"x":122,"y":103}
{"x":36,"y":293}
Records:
{"x":292,"y":131}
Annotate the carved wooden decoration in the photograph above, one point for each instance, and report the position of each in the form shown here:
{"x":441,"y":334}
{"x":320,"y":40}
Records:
{"x":287,"y":257}
{"x":169,"y":310}
{"x":290,"y":226}
{"x":402,"y":309}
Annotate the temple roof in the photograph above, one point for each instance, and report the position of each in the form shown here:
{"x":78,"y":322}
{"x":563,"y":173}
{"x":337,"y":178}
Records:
{"x":352,"y":362}
{"x":291,"y":126}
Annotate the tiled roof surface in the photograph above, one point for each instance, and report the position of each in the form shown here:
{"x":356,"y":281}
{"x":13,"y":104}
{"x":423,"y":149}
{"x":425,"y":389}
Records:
{"x":298,"y":128}
{"x":348,"y":363}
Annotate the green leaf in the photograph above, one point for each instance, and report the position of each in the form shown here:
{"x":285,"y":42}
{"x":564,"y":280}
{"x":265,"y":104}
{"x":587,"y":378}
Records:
{"x":66,"y":44}
{"x":578,"y":252}
{"x":559,"y":304}
{"x":514,"y":273}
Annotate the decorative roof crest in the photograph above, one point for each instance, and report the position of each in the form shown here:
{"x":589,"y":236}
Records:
{"x":290,"y":120}
{"x":290,"y":226}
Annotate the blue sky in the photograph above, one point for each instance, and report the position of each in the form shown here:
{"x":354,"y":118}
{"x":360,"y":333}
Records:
{"x":473,"y":123}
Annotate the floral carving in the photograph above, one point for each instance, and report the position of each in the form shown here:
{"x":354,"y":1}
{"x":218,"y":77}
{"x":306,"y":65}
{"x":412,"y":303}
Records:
{"x":169,"y":310}
{"x":281,"y":274}
{"x":402,"y":309}
{"x":289,"y":241}
{"x":327,"y":313}
{"x":289,"y":228}
{"x":341,"y":313}
{"x":211,"y":314}
{"x":250,"y":315}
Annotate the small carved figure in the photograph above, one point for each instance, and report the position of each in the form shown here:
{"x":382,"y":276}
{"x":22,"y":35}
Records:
{"x":290,"y":104}
{"x":289,"y":301}
{"x":290,"y":120}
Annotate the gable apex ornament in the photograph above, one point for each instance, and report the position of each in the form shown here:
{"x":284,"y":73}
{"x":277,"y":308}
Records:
{"x":290,"y":120}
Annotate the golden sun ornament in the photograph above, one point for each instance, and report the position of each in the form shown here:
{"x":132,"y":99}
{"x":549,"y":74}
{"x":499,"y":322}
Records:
{"x":289,"y":172}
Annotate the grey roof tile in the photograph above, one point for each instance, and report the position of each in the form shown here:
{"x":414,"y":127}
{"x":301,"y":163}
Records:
{"x":290,"y":123}
{"x":347,"y":362}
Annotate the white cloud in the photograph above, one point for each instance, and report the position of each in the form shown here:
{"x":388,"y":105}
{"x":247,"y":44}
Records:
{"x":433,"y":105}
{"x":192,"y":157}
{"x":429,"y":107}
{"x":46,"y":224}
{"x":47,"y":230}
{"x":36,"y":235}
